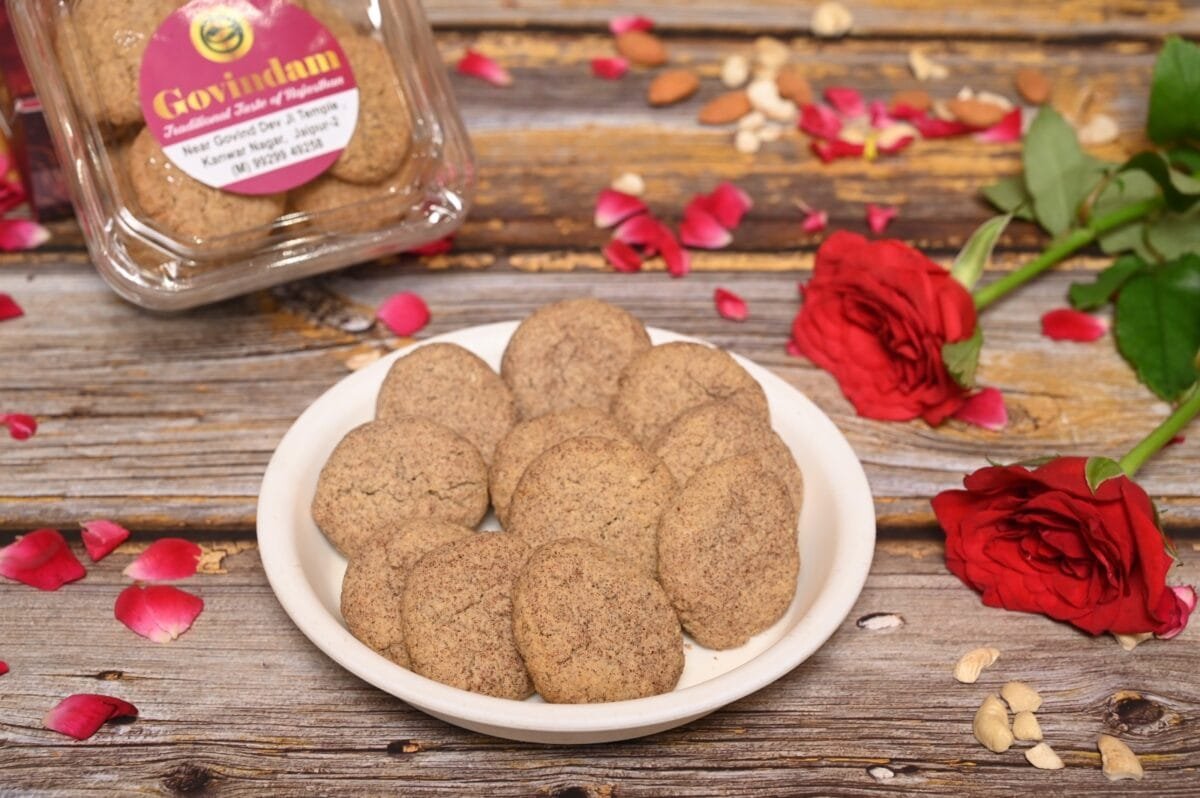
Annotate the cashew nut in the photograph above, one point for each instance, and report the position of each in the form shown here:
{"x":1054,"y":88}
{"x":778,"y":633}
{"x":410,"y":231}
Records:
{"x":1021,"y":697}
{"x":1026,"y":726}
{"x":991,"y":725}
{"x":971,"y":664}
{"x":1130,"y":642}
{"x":1043,"y":756}
{"x":1118,"y":761}
{"x":831,"y":20}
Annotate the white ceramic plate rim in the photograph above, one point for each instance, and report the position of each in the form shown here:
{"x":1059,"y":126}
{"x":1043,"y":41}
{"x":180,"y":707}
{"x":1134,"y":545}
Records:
{"x":844,"y":581}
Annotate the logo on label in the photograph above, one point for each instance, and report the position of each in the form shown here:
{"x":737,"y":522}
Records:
{"x":222,"y":34}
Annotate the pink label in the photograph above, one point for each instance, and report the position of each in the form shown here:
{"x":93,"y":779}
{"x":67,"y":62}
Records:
{"x":250,"y":96}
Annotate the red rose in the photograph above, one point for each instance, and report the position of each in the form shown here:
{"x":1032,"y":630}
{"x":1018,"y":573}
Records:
{"x":1042,"y":541}
{"x":875,"y":316}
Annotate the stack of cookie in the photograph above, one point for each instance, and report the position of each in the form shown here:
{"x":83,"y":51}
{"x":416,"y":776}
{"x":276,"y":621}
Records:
{"x":641,"y":489}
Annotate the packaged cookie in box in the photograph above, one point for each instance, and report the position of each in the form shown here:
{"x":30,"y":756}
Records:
{"x":219,"y":146}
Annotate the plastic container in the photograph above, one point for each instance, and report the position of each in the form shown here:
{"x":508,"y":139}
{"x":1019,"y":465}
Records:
{"x":215,"y":147}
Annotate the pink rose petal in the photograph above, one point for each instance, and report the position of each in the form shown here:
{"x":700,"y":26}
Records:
{"x":81,"y":715}
{"x":438,"y":247}
{"x":820,"y":121}
{"x":477,"y":65}
{"x":610,"y":68}
{"x":622,"y":257}
{"x":21,"y":234}
{"x":815,"y":222}
{"x":880,"y":216}
{"x":829,"y":151}
{"x":877,"y":110}
{"x":628,"y":22}
{"x":730,"y":305}
{"x":20,"y":426}
{"x":41,"y":559}
{"x":159,"y":613}
{"x":3,"y":667}
{"x":9,"y":309}
{"x":165,"y":560}
{"x":642,"y":230}
{"x":1006,"y":130}
{"x":1066,"y":324}
{"x":700,"y":229}
{"x":678,"y":259}
{"x":727,"y":204}
{"x":792,"y":349}
{"x":1185,"y":595}
{"x":613,"y":207}
{"x":895,"y":146}
{"x":931,"y":127}
{"x":846,"y":101}
{"x":985,"y":409}
{"x":404,"y":313}
{"x":101,"y":537}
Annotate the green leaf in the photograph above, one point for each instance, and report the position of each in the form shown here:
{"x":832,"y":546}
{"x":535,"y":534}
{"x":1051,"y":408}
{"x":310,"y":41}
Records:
{"x":1186,"y":159}
{"x":1125,"y":188}
{"x":962,"y":358}
{"x":976,"y":254}
{"x":1089,"y":296}
{"x":1174,"y":110}
{"x":1098,"y":470}
{"x":1011,"y":196}
{"x":1058,"y":174}
{"x":1129,"y":238}
{"x":1181,"y":191}
{"x":1174,"y":235}
{"x":1158,"y":325}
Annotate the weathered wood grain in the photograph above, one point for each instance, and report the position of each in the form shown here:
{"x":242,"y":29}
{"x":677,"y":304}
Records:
{"x":244,"y":705}
{"x":169,"y":421}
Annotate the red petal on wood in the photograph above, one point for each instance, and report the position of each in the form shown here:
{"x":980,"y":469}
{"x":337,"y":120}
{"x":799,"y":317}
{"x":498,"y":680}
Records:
{"x":1066,"y":324}
{"x":628,"y":22}
{"x":792,"y":349}
{"x":159,"y":613}
{"x":985,"y":409}
{"x":404,"y":313}
{"x":1006,"y":130}
{"x":727,"y":204}
{"x":20,"y":426}
{"x":678,"y":259}
{"x":820,"y":121}
{"x":880,"y":216}
{"x":730,"y":305}
{"x":642,"y":230}
{"x":101,"y":537}
{"x":846,"y":101}
{"x":613,"y":68}
{"x":9,"y":309}
{"x":81,"y":715}
{"x":1176,"y":440}
{"x":877,"y":110}
{"x":931,"y":127}
{"x":477,"y":65}
{"x":613,"y":207}
{"x":895,"y":146}
{"x":21,"y":234}
{"x":700,"y":229}
{"x":165,"y":560}
{"x":3,"y":667}
{"x":41,"y":559}
{"x":1186,"y":596}
{"x":833,"y":150}
{"x":439,"y":247}
{"x":622,"y":257}
{"x":815,"y":222}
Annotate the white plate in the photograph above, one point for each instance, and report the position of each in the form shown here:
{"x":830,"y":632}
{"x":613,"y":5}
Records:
{"x":837,"y":539}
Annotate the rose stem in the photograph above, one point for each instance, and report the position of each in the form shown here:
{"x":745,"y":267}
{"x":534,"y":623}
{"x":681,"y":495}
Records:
{"x":1077,"y":239}
{"x":1163,"y":433}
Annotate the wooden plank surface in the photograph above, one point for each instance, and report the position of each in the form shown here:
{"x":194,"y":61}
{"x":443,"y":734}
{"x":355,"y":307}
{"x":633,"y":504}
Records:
{"x":243,"y":705}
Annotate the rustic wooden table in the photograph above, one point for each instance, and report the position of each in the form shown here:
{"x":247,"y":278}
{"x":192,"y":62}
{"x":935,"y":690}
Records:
{"x":166,"y":425}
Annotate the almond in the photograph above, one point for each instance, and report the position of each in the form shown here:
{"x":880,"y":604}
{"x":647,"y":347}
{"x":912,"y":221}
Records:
{"x":976,"y":113}
{"x":672,"y":86}
{"x":1033,"y":85}
{"x":642,"y":48}
{"x":912,"y":98}
{"x":725,"y":108}
{"x":793,"y":85}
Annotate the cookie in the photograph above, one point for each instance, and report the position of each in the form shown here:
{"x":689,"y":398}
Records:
{"x":373,"y":588}
{"x":570,"y":354}
{"x":602,"y":490}
{"x":592,"y":627}
{"x":454,"y":387}
{"x":186,"y":209}
{"x":672,"y":378}
{"x":727,"y":552}
{"x":383,"y":135}
{"x":717,"y":431}
{"x":385,"y":471}
{"x":112,"y":36}
{"x":458,"y":615}
{"x":336,"y":206}
{"x":526,"y":441}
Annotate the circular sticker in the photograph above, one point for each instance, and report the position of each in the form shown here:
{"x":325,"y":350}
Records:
{"x":250,"y":96}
